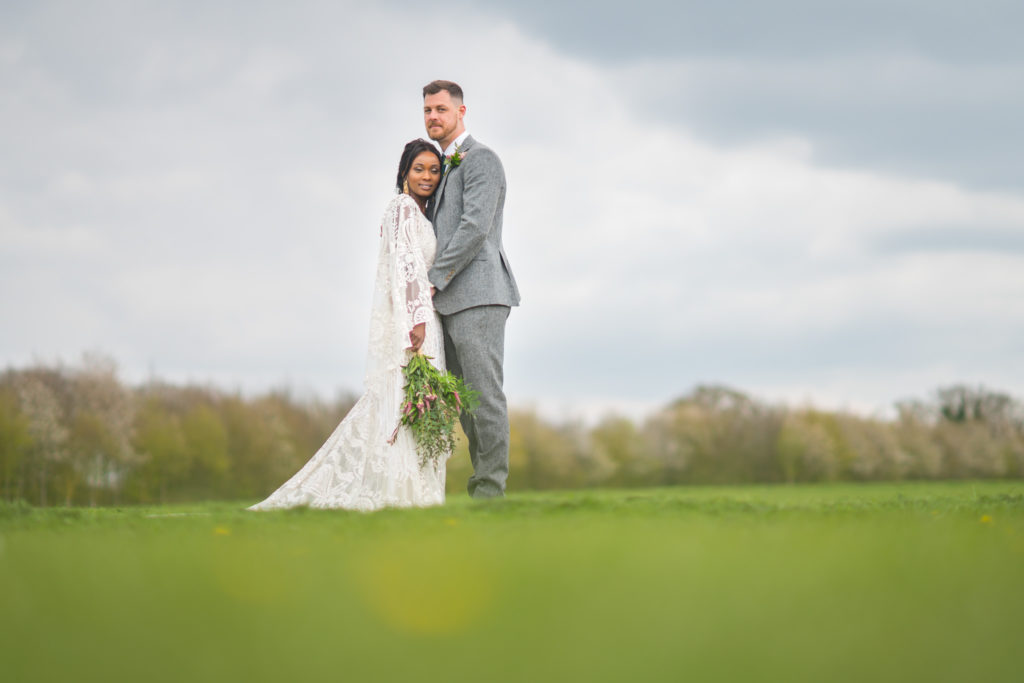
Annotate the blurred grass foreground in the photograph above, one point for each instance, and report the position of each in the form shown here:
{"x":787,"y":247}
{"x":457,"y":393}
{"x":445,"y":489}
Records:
{"x":826,"y":582}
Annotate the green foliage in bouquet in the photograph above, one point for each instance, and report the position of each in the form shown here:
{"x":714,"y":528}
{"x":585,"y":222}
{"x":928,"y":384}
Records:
{"x":433,"y":402}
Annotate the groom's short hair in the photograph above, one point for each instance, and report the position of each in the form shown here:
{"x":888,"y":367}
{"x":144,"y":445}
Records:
{"x":435,"y":87}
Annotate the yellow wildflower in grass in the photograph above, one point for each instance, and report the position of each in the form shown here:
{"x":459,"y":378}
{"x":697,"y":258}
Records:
{"x":436,"y":586}
{"x":222,"y":531}
{"x":986,"y":519}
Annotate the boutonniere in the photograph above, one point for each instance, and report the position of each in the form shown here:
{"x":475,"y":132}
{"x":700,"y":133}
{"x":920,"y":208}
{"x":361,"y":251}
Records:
{"x":455,"y":158}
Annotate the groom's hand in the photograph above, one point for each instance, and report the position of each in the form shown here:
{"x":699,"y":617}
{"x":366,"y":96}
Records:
{"x":433,"y":290}
{"x":417,"y":335}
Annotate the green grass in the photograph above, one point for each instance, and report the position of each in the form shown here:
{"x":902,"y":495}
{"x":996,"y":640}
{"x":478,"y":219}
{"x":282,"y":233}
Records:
{"x":896,"y":582}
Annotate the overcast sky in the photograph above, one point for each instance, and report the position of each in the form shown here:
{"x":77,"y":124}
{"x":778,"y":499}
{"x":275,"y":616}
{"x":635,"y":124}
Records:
{"x":808,"y":201}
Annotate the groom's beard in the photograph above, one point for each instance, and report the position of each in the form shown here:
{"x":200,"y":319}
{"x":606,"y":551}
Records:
{"x":439,"y":133}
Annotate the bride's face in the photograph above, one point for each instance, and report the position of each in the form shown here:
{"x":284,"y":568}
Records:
{"x":424,"y":175}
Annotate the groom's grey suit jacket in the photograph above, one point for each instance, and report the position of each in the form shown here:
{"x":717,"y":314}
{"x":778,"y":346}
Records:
{"x":470,"y":268}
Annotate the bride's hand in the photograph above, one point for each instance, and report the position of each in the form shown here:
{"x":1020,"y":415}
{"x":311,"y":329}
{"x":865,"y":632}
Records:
{"x":417,"y":335}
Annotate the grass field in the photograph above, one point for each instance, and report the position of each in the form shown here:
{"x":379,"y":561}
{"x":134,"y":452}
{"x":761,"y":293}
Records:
{"x":896,"y":582}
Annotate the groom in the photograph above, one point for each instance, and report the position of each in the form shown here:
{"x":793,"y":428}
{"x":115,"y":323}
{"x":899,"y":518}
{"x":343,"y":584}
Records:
{"x":473,"y":285}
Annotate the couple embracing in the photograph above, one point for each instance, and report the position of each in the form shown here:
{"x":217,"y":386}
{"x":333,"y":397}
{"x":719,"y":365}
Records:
{"x":444,"y":288}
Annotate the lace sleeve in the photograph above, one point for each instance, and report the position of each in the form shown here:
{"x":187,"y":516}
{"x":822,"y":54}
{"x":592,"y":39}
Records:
{"x":396,"y":298}
{"x":412,"y":291}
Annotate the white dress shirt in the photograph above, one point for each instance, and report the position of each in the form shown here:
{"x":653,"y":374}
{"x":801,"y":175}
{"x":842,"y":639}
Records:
{"x":450,"y":150}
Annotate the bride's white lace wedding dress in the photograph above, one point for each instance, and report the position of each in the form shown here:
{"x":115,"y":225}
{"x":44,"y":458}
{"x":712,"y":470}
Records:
{"x":357,"y":468}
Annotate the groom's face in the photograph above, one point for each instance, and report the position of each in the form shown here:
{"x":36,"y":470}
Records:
{"x":442,"y":116}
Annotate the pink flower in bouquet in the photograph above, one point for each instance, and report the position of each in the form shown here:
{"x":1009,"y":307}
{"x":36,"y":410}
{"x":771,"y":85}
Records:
{"x":433,"y":401}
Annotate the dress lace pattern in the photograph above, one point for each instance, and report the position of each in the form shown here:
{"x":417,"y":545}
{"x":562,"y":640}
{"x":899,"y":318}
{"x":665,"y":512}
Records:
{"x":357,"y":468}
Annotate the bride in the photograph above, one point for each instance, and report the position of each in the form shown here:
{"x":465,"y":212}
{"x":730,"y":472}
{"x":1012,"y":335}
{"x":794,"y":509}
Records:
{"x":357,"y":468}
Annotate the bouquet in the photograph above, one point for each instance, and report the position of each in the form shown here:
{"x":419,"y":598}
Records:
{"x":433,"y":402}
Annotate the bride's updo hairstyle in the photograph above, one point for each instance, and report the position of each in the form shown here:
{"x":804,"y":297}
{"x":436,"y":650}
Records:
{"x":409,"y":154}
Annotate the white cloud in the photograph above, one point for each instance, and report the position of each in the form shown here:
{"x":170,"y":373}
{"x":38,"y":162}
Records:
{"x":217,"y":218}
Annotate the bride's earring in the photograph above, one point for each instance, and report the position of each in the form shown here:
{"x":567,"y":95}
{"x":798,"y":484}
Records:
{"x":405,"y":186}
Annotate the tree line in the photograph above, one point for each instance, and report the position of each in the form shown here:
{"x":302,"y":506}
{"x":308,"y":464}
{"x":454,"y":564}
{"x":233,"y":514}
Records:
{"x":79,"y":436}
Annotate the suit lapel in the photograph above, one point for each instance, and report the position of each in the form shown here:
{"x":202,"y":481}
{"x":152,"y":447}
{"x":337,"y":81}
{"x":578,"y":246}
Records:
{"x":465,"y":147}
{"x":440,"y":191}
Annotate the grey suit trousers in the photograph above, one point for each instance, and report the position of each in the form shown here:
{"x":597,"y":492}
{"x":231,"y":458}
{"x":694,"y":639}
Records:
{"x":474,"y":347}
